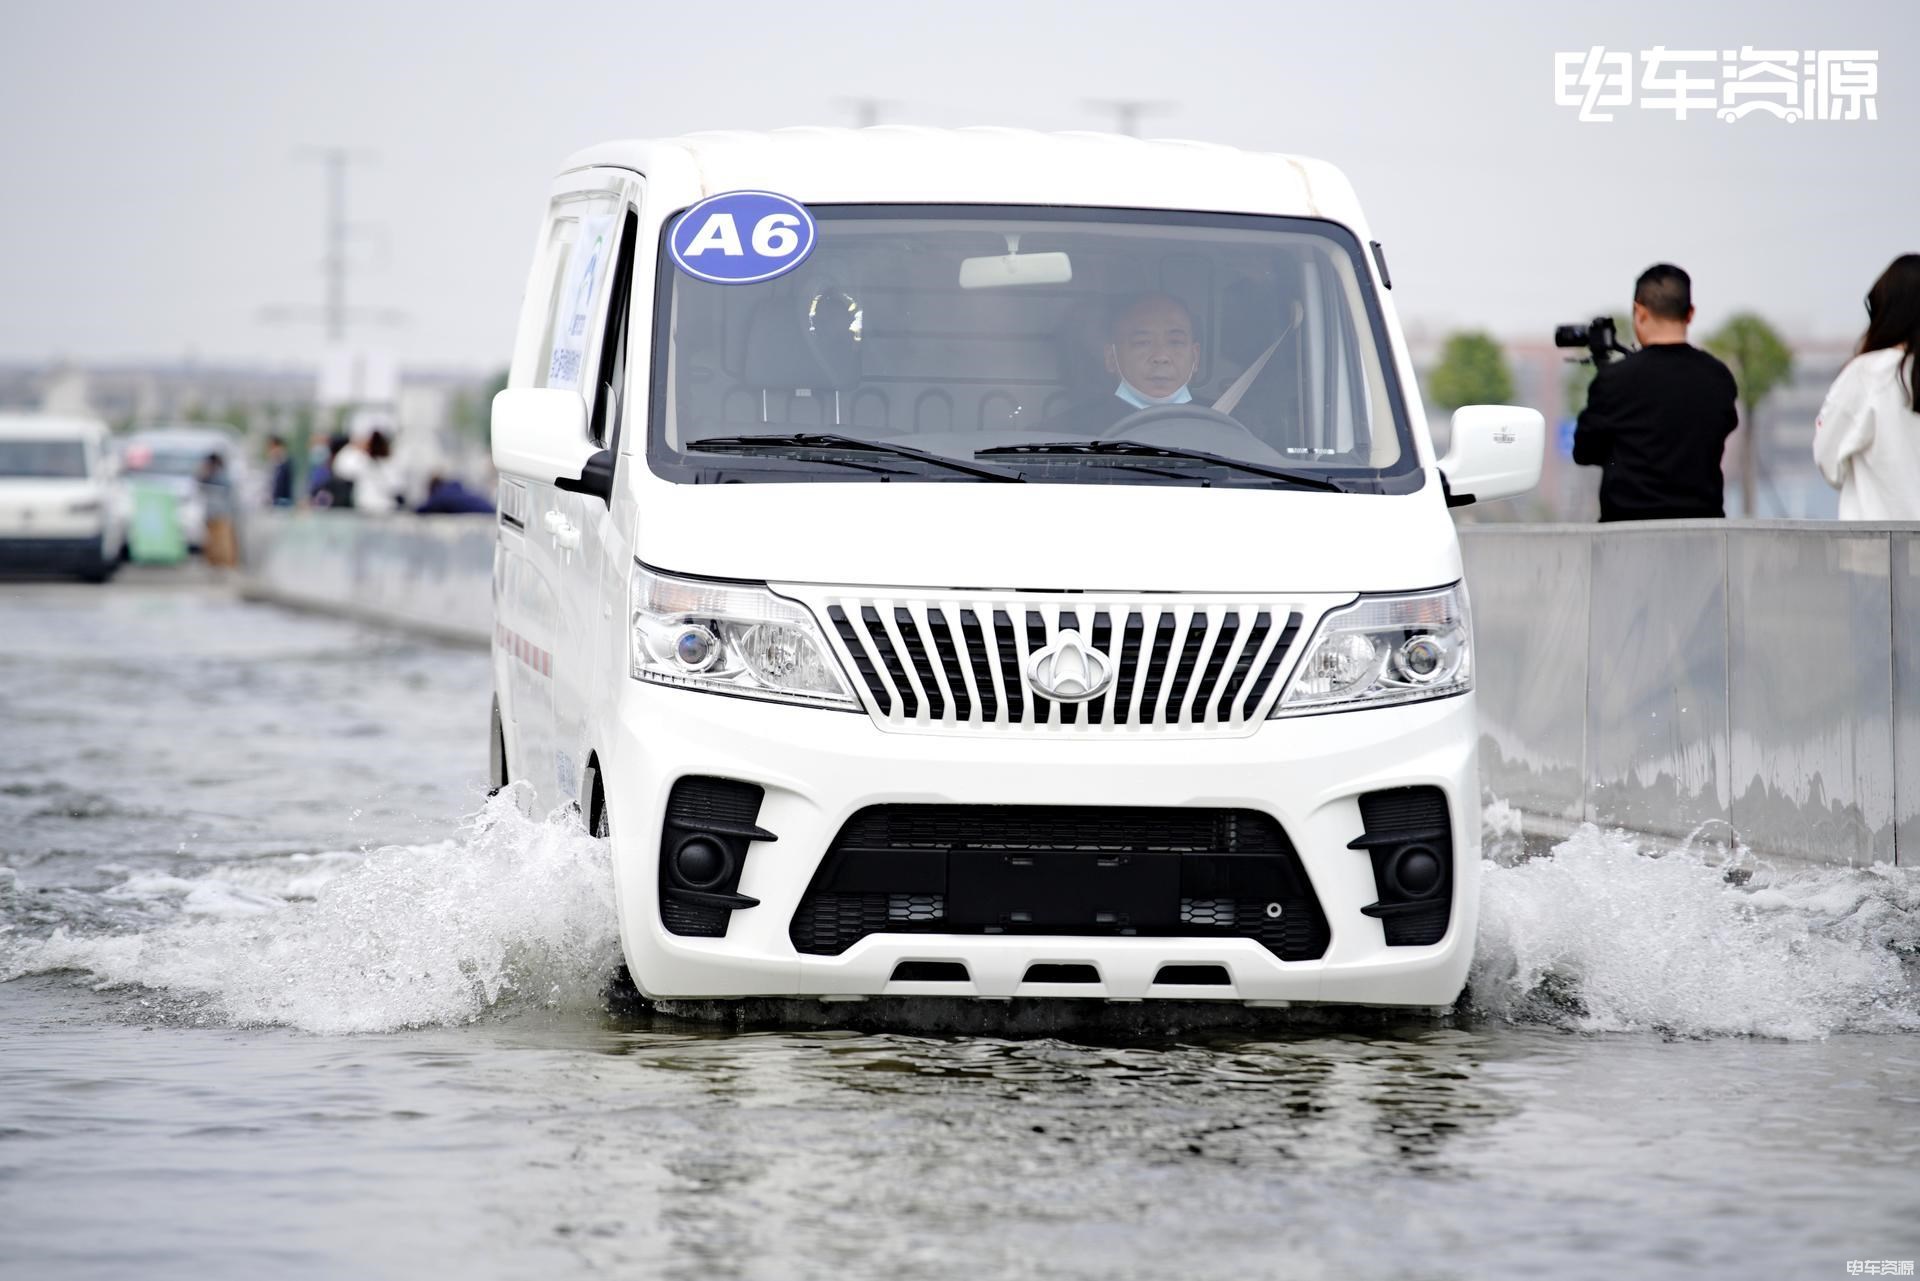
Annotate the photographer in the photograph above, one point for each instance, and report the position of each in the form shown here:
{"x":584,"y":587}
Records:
{"x":1657,"y":421}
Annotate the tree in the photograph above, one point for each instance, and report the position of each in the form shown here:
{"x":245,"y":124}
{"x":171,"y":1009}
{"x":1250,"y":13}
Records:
{"x":472,"y":413}
{"x":1472,"y":371}
{"x":1760,"y":363}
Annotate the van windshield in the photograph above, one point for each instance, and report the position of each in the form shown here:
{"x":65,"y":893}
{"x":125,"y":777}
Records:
{"x":1052,"y":345}
{"x":43,"y":459}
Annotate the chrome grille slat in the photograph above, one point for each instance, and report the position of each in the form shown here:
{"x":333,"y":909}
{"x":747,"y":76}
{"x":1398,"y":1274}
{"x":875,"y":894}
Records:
{"x":955,"y":658}
{"x":1196,"y":674}
{"x":1168,"y":663}
{"x":1186,"y":664}
{"x":1228,"y":661}
{"x":899,"y":662}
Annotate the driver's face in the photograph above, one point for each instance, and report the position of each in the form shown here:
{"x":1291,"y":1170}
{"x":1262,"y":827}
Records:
{"x":1153,"y":347}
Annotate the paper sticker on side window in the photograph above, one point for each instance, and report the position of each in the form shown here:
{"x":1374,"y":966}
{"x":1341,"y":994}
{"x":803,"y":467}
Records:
{"x":587,"y":262}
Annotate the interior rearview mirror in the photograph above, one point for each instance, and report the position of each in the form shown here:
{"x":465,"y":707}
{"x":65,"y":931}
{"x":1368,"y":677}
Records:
{"x":1496,"y":452}
{"x":540,"y":434}
{"x":1000,"y":270}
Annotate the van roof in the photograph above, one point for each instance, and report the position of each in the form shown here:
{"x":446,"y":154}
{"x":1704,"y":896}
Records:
{"x":46,"y":426}
{"x":898,"y":164}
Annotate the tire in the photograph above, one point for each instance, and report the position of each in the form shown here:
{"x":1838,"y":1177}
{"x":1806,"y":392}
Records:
{"x":101,"y":572}
{"x":496,"y":753}
{"x":596,"y":796}
{"x":622,"y":995}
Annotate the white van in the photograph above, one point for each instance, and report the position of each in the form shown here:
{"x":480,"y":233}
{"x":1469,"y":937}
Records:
{"x":1188,"y":714}
{"x":61,"y":507}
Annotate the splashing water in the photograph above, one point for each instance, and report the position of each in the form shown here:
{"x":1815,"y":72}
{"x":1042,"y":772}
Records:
{"x":1605,"y":936}
{"x":509,"y":910}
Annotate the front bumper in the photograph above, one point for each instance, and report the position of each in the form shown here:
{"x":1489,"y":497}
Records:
{"x":34,"y":555}
{"x":820,"y":767}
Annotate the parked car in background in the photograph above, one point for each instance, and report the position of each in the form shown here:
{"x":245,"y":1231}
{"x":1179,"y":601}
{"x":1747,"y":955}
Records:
{"x":62,"y":509}
{"x":169,"y":458}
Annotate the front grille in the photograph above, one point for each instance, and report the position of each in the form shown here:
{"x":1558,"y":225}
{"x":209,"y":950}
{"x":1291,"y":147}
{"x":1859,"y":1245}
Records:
{"x":48,"y":555}
{"x":1069,"y":870}
{"x":967,"y":662}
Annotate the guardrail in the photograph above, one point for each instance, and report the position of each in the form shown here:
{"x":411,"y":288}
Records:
{"x":1749,"y":679}
{"x":1718,"y":679}
{"x":429,"y":574}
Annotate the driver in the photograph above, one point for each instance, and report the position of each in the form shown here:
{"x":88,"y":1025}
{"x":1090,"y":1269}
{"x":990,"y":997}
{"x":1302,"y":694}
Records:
{"x":1151,"y":349}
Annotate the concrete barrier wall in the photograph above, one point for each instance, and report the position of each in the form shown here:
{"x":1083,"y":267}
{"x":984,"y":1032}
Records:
{"x":1682,"y":678}
{"x":1745,"y":679}
{"x":431,"y":574}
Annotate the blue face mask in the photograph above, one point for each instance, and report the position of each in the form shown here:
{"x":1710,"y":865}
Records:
{"x":1140,"y":400}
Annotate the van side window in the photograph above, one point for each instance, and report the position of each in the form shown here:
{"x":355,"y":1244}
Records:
{"x":578,"y":252}
{"x":610,"y":387}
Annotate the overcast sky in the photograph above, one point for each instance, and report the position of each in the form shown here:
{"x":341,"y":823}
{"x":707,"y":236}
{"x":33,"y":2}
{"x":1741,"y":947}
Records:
{"x":155,"y":203}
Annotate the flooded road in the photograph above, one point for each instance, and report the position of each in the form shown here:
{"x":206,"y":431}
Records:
{"x":285,"y":995}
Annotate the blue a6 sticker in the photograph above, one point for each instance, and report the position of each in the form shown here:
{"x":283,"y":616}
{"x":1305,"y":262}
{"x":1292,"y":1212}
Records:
{"x":741,"y":237}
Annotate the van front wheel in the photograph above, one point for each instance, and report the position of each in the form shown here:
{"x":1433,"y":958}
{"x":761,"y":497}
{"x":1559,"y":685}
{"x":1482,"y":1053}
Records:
{"x":496,"y":753}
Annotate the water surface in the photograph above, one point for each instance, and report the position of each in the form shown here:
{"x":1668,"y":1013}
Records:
{"x":285,"y":995}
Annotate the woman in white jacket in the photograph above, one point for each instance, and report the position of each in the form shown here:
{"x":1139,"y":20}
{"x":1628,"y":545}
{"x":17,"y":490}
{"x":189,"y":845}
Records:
{"x":1867,"y":438}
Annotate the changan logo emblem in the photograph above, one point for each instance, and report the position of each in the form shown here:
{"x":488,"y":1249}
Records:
{"x":1070,"y":670}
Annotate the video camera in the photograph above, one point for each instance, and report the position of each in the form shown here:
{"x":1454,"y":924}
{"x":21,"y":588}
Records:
{"x":1597,"y":336}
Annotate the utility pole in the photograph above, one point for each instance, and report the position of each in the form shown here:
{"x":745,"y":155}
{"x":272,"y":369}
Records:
{"x":334,"y":314}
{"x":1127,"y":111}
{"x":336,"y":160}
{"x":866,"y":111}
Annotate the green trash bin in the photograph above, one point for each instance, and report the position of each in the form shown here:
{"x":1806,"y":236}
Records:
{"x":154,"y":537}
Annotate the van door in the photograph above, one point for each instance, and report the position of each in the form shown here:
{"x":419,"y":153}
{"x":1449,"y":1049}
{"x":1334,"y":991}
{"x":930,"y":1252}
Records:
{"x":556,"y":345}
{"x":593,"y":549}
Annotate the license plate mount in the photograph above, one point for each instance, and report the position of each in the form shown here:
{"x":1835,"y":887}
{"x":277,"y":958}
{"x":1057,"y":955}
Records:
{"x":1062,"y":889}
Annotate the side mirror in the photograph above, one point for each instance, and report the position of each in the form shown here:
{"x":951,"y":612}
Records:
{"x":1496,"y":452}
{"x":540,"y":434}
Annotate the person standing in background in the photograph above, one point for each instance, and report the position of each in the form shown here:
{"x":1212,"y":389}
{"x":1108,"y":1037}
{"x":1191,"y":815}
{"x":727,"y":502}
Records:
{"x":1867,"y":438}
{"x":280,"y":493}
{"x":216,"y":492}
{"x":323,"y":490}
{"x":364,"y":463}
{"x":1657,"y":421}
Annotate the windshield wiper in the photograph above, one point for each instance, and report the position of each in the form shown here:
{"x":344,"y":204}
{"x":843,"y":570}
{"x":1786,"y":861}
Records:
{"x":1140,"y":449}
{"x":830,"y":442}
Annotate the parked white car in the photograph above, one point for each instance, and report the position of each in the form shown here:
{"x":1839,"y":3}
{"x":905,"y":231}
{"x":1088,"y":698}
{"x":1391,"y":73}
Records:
{"x":61,"y":508}
{"x":1188,"y":714}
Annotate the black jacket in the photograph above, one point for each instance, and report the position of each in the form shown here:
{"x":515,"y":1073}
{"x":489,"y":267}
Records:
{"x":1657,"y":422}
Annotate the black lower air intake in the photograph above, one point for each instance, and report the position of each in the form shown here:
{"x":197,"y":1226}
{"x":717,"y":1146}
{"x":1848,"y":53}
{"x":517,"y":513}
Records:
{"x":1061,"y":869}
{"x":703,"y":849}
{"x":1410,"y":840}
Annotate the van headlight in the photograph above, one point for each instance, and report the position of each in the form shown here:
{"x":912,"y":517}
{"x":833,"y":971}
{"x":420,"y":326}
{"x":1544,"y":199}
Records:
{"x":1385,"y":649}
{"x":731,"y":638}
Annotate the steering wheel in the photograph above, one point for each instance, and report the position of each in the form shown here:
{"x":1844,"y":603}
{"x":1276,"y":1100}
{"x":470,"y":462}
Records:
{"x":1154,"y":415}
